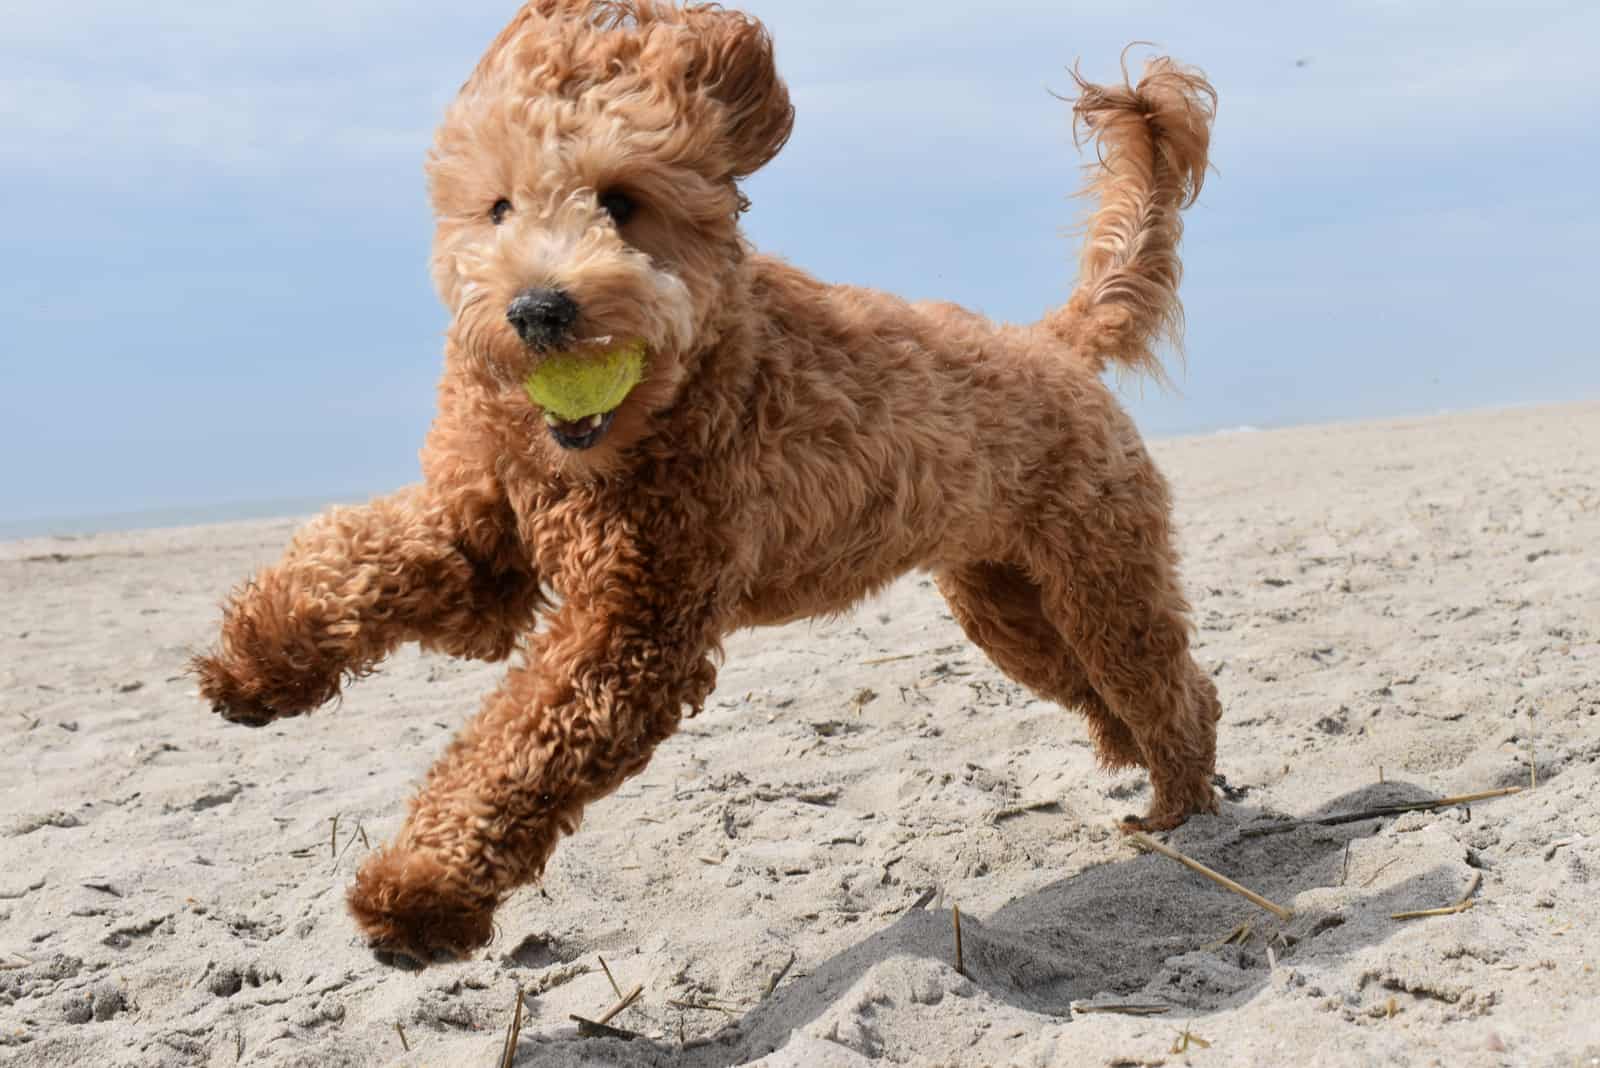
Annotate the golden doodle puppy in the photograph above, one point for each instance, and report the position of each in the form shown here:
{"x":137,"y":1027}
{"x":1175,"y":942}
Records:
{"x":762,"y":447}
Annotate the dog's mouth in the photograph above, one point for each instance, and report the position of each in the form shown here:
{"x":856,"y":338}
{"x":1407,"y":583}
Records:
{"x":582,"y":389}
{"x":579,"y":434}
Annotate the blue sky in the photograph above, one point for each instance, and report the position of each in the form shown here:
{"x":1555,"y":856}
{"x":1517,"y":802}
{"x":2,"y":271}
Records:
{"x":213,"y":264}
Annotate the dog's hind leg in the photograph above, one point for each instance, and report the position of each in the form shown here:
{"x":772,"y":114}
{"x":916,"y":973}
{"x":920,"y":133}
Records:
{"x":1109,"y":583}
{"x":999,"y":608}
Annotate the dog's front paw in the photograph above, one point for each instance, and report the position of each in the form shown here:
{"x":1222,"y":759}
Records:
{"x":235,"y":698}
{"x":414,"y":913}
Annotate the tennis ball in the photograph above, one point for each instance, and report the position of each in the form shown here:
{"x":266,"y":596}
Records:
{"x":571,"y":386}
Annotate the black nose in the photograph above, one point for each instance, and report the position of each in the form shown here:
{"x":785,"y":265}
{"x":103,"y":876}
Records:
{"x":542,"y":317}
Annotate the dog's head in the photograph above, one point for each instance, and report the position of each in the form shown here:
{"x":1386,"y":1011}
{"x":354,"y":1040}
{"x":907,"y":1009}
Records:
{"x":585,"y":188}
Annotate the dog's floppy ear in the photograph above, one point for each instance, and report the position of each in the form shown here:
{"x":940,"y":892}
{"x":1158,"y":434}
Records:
{"x":734,"y":66}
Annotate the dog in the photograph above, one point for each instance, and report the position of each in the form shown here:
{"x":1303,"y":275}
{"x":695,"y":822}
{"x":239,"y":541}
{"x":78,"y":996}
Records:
{"x":791,"y":448}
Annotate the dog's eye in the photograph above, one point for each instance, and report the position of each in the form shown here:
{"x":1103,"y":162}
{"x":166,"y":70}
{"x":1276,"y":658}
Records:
{"x":619,"y":206}
{"x":501,"y":209}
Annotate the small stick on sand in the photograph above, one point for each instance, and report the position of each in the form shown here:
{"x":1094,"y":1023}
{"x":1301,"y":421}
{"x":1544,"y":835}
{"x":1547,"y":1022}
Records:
{"x":922,"y":900}
{"x":1185,"y":1039}
{"x":777,"y":977}
{"x":1345,"y":872}
{"x":401,"y":1031}
{"x":702,"y":1005}
{"x":1141,"y":839}
{"x":348,"y":842}
{"x":599,"y":1029}
{"x":961,"y":968}
{"x":1379,"y":812}
{"x":877,"y":661}
{"x":508,"y":1054}
{"x":1381,"y":867}
{"x":604,"y":967}
{"x":627,"y":999}
{"x":1240,"y":934}
{"x":595,"y":1029}
{"x":333,"y":838}
{"x":1533,"y":753}
{"x":1463,"y":905}
{"x":1122,"y":1009}
{"x":361,"y":830}
{"x":1019,"y":810}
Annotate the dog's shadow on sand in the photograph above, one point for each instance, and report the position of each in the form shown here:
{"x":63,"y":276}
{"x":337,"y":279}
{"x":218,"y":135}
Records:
{"x":1144,"y":928}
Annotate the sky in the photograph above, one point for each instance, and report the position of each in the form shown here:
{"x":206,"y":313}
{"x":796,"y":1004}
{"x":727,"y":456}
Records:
{"x":213,"y":263}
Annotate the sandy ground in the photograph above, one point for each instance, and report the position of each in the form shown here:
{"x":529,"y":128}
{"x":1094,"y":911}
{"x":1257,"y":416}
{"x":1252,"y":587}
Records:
{"x":1392,"y":611}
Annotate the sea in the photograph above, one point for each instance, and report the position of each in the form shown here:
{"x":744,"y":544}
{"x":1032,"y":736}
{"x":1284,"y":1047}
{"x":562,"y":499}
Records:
{"x":150,"y":519}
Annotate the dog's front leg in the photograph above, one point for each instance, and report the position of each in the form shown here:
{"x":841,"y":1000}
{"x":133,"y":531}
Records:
{"x":603,"y":686}
{"x":355,"y":584}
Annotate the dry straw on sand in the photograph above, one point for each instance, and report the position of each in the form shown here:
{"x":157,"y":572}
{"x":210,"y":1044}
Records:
{"x":1144,"y":840}
{"x":1462,"y":905}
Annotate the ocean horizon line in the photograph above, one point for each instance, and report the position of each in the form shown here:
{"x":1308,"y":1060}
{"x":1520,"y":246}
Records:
{"x":190,"y":515}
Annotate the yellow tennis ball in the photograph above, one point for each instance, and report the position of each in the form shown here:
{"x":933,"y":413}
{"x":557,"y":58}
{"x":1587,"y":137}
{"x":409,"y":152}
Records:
{"x":571,"y":386}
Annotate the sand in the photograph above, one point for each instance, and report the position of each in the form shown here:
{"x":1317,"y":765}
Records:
{"x":1392,"y":611}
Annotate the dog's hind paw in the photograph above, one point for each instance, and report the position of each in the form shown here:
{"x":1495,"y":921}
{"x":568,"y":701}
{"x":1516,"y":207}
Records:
{"x":1131,"y":824}
{"x":1171,"y":810}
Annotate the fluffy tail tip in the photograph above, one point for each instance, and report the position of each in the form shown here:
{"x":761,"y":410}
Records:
{"x":1176,"y":104}
{"x":1152,"y":140}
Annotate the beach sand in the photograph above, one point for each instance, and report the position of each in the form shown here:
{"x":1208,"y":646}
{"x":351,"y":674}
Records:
{"x":1392,"y":611}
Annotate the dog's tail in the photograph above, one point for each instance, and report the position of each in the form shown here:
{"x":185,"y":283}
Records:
{"x":1152,"y":140}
